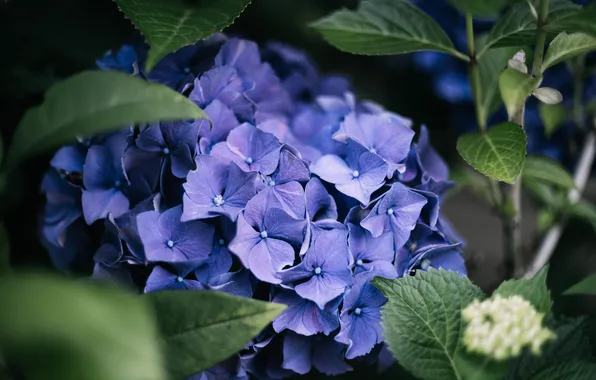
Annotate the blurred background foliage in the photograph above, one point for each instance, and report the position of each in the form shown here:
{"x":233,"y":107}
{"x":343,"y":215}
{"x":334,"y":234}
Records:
{"x":44,"y":41}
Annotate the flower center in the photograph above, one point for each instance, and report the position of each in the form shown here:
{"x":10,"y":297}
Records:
{"x":179,"y":279}
{"x":264,"y":234}
{"x":249,"y":160}
{"x":270,"y":182}
{"x":355,"y":174}
{"x":359,"y":262}
{"x":170,"y":243}
{"x":218,"y":200}
{"x":425,"y":264}
{"x":187,"y":70}
{"x":166,"y":150}
{"x":318,"y":270}
{"x":117,"y":184}
{"x":373,"y":150}
{"x":222,"y":242}
{"x":357,"y":311}
{"x":390,"y":211}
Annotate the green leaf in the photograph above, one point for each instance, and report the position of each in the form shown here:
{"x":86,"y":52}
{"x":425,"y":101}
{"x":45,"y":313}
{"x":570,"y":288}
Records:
{"x":479,"y":367}
{"x":515,"y":88}
{"x":572,"y":343}
{"x":55,"y":329}
{"x":4,"y":250}
{"x":422,"y":321}
{"x":583,"y":210}
{"x":533,"y":290}
{"x":572,"y":370}
{"x":566,"y":46}
{"x":581,"y":21}
{"x":383,"y":27}
{"x":489,"y":67}
{"x":552,"y":116}
{"x":498,"y":153}
{"x":93,"y":102}
{"x":484,"y":8}
{"x":585,"y":286}
{"x":518,"y":27}
{"x":544,"y":220}
{"x":170,"y":25}
{"x":202,"y":328}
{"x":1,"y":150}
{"x":547,"y":170}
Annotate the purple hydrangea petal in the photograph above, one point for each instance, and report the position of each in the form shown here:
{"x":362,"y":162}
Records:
{"x":219,"y":262}
{"x":323,"y":273}
{"x":432,"y":164}
{"x":235,"y":283}
{"x":202,"y":186}
{"x":333,"y":169}
{"x":239,"y":53}
{"x":304,"y":317}
{"x":291,"y":168}
{"x":63,"y":206}
{"x":69,"y":159}
{"x":319,"y":204}
{"x":97,"y":204}
{"x":239,"y":190}
{"x":259,"y":150}
{"x":370,"y":254}
{"x":288,"y":197}
{"x":162,"y":279}
{"x":397,"y":212}
{"x":361,"y":318}
{"x":167,"y":239}
{"x":223,"y":120}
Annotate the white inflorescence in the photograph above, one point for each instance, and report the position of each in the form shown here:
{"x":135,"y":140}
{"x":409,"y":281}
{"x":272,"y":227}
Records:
{"x":501,"y":327}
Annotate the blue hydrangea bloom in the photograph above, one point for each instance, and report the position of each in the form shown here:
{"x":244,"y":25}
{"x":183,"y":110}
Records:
{"x":300,"y":194}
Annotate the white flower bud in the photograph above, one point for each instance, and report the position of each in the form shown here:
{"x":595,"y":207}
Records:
{"x":502,"y":327}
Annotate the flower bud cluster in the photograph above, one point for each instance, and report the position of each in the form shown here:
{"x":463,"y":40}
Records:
{"x":502,"y":327}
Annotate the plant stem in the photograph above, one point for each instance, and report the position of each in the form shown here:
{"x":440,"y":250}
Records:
{"x":474,"y":72}
{"x":582,"y":172}
{"x":511,"y":221}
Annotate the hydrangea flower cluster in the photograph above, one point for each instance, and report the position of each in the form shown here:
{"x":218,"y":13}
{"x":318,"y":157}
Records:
{"x":300,"y":194}
{"x":451,"y":83}
{"x":502,"y":327}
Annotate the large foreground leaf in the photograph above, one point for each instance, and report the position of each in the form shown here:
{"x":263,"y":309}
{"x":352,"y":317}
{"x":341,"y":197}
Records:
{"x":422,"y":321}
{"x":479,"y":8}
{"x":54,"y":329}
{"x":566,"y":46}
{"x":94,"y":102}
{"x":572,"y":370}
{"x":383,"y":27}
{"x":202,"y":328}
{"x":170,"y":25}
{"x":498,"y":153}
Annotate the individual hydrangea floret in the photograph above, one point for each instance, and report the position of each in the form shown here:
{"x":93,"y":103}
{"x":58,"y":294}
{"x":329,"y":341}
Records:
{"x":502,"y":327}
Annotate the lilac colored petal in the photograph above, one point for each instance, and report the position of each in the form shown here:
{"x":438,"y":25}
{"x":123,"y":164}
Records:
{"x":288,"y":197}
{"x":370,"y":254}
{"x":263,"y":256}
{"x":430,"y":211}
{"x":279,"y":224}
{"x":328,"y":357}
{"x":397,"y":211}
{"x":223,"y":120}
{"x":238,"y":53}
{"x":222,"y":83}
{"x":332,"y":169}
{"x":319,"y":204}
{"x":297,"y":353}
{"x":161,"y":279}
{"x":63,"y":206}
{"x":361,"y":318}
{"x":143,"y":169}
{"x":303,"y":316}
{"x":97,"y":204}
{"x":167,"y":239}
{"x":102,"y":168}
{"x":446,"y":256}
{"x":291,"y":168}
{"x":69,"y":159}
{"x":236,"y":283}
{"x":239,"y":190}
{"x":151,"y":139}
{"x":203,"y":185}
{"x":219,"y":262}
{"x":260,"y":150}
{"x":431,"y":163}
{"x":128,"y":231}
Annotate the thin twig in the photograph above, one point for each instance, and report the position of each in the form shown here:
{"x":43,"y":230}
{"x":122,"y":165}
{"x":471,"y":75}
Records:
{"x":582,"y":173}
